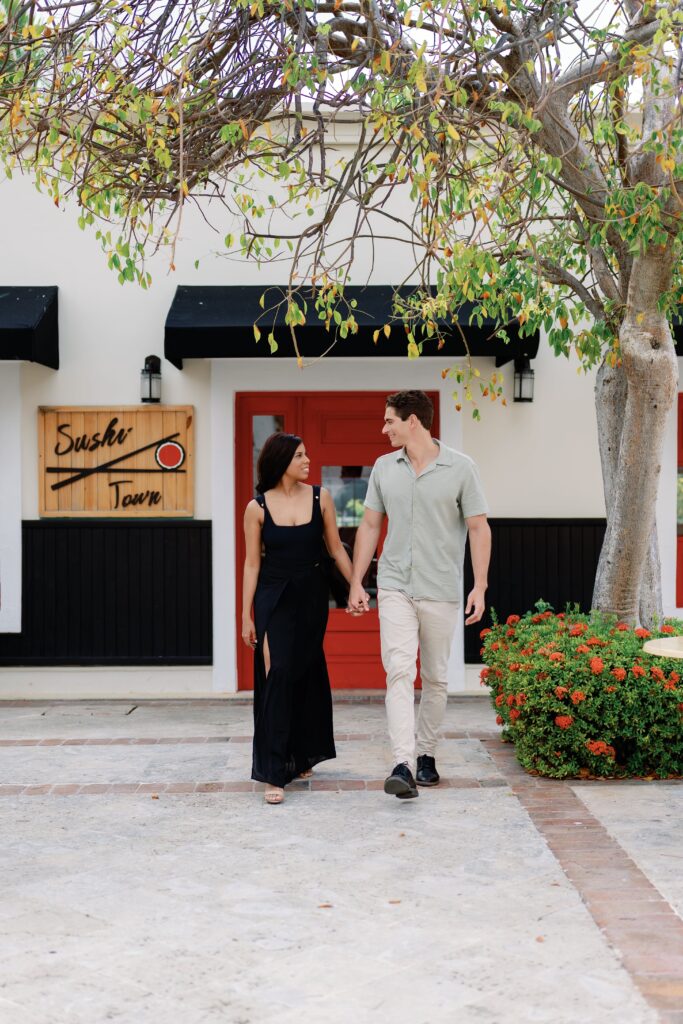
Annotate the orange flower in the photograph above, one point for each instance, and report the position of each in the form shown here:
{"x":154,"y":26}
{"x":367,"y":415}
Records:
{"x":561,"y":691}
{"x":600,"y":747}
{"x":619,"y":674}
{"x":527,"y":650}
{"x":514,"y":715}
{"x":642,"y":633}
{"x":484,"y":674}
{"x":483,"y":633}
{"x":563,"y":721}
{"x":622,"y":626}
{"x":511,"y":700}
{"x":667,"y":629}
{"x":521,"y":699}
{"x":610,"y":689}
{"x":514,"y":666}
{"x":669,"y":686}
{"x":595,"y":641}
{"x":500,"y":699}
{"x":499,"y":720}
{"x":557,"y":656}
{"x":657,"y":673}
{"x":510,"y":632}
{"x":638,"y":671}
{"x":597,"y":666}
{"x":674,"y":677}
{"x":495,"y":646}
{"x":578,"y":696}
{"x":512,"y":620}
{"x":578,"y":629}
{"x":582,"y":649}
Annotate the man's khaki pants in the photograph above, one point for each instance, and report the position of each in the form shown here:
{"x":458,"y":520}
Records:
{"x":405,"y":624}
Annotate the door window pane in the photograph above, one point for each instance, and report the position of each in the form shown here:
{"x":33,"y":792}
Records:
{"x":348,"y":486}
{"x":261,"y":429}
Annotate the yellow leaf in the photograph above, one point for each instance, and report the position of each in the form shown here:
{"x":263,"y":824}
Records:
{"x":455,"y":135}
{"x":420,"y":81}
{"x":186,"y":190}
{"x":387,"y":330}
{"x":257,"y":333}
{"x":639,"y":318}
{"x":375,"y":336}
{"x":407,"y":17}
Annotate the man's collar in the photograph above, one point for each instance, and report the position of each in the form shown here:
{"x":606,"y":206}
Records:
{"x":444,"y":458}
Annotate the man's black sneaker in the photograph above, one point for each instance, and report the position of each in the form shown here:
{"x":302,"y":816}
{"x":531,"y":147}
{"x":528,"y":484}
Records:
{"x":401,"y":782}
{"x":426,"y":774}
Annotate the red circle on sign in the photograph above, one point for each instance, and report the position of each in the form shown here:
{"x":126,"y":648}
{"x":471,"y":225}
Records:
{"x":170,"y":455}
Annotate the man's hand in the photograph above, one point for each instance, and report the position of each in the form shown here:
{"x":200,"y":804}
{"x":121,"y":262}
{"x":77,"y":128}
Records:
{"x":475,"y":606}
{"x":359,"y":599}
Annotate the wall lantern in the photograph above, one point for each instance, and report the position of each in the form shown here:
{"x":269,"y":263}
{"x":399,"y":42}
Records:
{"x":524,"y":380}
{"x":150,"y":380}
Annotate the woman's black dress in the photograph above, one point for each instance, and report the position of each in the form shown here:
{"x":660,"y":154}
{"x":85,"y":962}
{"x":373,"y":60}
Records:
{"x":292,"y":704}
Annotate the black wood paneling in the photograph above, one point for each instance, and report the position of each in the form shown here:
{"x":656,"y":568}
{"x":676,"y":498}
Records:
{"x":97,"y":592}
{"x":552,"y":559}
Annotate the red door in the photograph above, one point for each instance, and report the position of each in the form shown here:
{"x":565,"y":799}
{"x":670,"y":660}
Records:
{"x":342,"y":434}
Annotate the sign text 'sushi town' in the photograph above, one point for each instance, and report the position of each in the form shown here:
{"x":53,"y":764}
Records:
{"x":123,"y":461}
{"x":108,"y":438}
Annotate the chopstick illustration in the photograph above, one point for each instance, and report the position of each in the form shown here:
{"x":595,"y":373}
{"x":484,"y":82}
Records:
{"x":82,"y":473}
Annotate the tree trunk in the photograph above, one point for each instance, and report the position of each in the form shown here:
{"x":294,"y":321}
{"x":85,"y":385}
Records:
{"x":651,"y":606}
{"x":651,"y":373}
{"x":611,"y":389}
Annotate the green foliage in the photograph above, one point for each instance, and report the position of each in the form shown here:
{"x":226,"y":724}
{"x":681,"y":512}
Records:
{"x":453,"y":104}
{"x":578,"y":696}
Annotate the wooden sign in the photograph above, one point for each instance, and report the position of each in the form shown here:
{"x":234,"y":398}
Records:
{"x":116,"y":462}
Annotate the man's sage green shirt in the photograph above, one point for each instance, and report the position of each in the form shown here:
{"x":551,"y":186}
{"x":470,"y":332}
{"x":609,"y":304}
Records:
{"x":424,"y":550}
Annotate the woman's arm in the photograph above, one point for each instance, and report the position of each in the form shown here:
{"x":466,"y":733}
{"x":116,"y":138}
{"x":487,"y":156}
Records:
{"x":331,"y":534}
{"x":253,"y":522}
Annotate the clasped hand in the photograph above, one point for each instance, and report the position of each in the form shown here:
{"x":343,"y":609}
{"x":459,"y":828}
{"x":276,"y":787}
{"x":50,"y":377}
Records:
{"x":359,"y":600}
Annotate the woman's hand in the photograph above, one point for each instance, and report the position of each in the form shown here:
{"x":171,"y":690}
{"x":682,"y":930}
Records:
{"x":249,"y":631}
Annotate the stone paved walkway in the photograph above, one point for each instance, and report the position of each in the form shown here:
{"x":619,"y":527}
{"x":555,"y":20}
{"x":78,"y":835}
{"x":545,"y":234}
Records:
{"x":145,"y":881}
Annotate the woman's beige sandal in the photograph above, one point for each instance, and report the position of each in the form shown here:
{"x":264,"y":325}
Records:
{"x":274,"y":795}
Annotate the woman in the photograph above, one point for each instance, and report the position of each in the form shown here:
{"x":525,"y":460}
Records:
{"x":289,"y":593}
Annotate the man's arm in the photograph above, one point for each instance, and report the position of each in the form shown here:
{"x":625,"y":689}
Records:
{"x":367,"y":538}
{"x":480,"y":550}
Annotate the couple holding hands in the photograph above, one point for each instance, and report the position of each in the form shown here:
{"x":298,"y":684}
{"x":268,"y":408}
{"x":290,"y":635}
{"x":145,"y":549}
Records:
{"x":433,"y":499}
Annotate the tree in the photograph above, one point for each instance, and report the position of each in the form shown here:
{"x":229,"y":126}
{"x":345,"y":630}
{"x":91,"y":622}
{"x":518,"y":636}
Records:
{"x":539,"y":145}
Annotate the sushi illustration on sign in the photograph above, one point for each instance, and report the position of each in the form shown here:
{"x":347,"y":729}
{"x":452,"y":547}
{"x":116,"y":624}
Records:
{"x":129,"y":461}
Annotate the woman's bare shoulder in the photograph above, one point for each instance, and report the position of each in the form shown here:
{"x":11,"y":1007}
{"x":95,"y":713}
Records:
{"x":253,"y":510}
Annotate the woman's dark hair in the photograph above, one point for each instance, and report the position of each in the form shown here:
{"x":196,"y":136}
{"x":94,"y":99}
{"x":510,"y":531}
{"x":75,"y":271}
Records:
{"x":276,"y":455}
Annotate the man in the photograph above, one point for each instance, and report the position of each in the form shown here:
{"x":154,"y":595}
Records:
{"x":433,"y":499}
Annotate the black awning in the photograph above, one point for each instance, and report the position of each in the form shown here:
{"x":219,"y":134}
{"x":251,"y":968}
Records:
{"x":28,"y":325}
{"x":218,"y":323}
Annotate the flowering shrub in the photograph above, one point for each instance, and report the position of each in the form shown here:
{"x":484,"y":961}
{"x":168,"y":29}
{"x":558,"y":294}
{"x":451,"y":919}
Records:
{"x":578,"y":697}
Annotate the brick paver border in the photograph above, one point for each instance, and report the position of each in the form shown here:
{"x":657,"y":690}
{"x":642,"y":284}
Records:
{"x":105,"y":741}
{"x":632,"y":914}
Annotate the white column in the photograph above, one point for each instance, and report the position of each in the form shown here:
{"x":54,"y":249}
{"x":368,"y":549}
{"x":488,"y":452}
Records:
{"x":223,"y":526}
{"x":10,"y":498}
